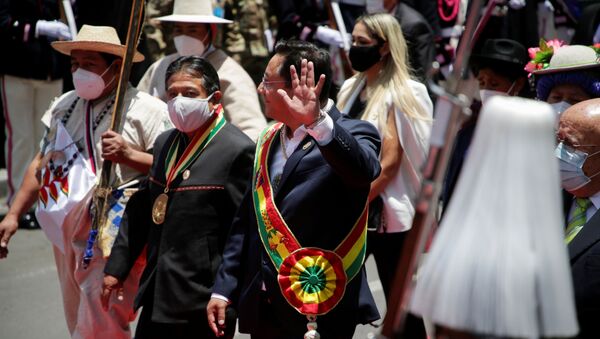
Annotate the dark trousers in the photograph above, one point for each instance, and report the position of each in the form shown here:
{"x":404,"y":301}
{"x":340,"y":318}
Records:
{"x":271,"y":327}
{"x":387,"y":249}
{"x":195,"y":327}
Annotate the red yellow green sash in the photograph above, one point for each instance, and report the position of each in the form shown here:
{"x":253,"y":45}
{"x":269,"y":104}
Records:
{"x":202,"y":138}
{"x":312,"y":280}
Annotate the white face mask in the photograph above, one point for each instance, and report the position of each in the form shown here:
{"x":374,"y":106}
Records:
{"x":187,"y":45}
{"x":486,"y":94}
{"x":375,"y":6}
{"x":560,"y":107}
{"x":89,"y":85}
{"x":189,"y":114}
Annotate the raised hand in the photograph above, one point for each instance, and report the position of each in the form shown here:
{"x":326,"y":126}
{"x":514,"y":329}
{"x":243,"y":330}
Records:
{"x":304,"y":105}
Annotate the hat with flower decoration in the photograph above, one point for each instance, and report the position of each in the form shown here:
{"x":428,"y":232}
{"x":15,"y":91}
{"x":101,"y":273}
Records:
{"x":553,"y":57}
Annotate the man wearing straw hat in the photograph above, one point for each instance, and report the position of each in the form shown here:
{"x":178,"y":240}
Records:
{"x":62,"y":175}
{"x":194,"y":28}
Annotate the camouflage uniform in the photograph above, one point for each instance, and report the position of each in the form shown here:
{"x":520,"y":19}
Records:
{"x":158,"y":45}
{"x":244,"y":39}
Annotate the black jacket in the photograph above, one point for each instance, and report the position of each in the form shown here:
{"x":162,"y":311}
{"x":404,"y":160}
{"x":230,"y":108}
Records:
{"x":322,"y":192}
{"x":23,"y":55}
{"x":419,"y":39}
{"x":184,"y":252}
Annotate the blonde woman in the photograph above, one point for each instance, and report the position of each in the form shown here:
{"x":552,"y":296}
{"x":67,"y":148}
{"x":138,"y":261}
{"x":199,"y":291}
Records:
{"x":383,"y":93}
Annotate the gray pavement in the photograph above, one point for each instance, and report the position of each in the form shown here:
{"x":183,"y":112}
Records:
{"x":30,"y":300}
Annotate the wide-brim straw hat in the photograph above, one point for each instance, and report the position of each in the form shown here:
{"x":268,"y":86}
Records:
{"x":102,"y":39}
{"x":193,"y":11}
{"x":571,"y":58}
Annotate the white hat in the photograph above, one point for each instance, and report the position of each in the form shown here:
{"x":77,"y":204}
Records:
{"x":102,"y":39}
{"x":570,"y":58}
{"x":193,"y":11}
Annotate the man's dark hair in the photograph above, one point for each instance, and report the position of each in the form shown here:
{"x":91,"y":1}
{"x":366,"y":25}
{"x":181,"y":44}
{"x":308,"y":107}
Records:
{"x":196,"y":66}
{"x":294,"y":51}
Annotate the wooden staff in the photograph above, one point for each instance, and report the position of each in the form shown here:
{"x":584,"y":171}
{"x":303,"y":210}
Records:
{"x":103,"y":188}
{"x":450,"y":106}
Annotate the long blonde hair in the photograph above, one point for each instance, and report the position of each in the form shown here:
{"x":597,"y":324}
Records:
{"x":394,"y":75}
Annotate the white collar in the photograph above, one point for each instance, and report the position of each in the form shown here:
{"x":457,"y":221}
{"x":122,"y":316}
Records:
{"x":595,"y":199}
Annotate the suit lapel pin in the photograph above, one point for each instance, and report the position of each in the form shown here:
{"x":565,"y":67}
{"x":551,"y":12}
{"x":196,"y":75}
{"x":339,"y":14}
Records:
{"x":186,"y":174}
{"x":306,"y":146}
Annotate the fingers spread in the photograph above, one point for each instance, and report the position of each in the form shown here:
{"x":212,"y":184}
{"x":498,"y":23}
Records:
{"x":294,"y":77}
{"x":303,"y":72}
{"x":310,"y":77}
{"x":320,"y":85}
{"x":284,"y":97}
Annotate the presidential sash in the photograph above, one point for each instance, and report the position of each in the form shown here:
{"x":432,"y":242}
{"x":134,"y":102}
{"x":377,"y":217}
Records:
{"x":312,"y":280}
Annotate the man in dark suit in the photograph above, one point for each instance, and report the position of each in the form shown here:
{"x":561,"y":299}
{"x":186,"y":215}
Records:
{"x":183,"y":213}
{"x":418,"y":34}
{"x":578,"y":151}
{"x":320,"y":167}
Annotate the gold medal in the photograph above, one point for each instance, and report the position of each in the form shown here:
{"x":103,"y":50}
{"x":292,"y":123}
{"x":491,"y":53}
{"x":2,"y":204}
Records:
{"x":159,"y":209}
{"x":186,"y":174}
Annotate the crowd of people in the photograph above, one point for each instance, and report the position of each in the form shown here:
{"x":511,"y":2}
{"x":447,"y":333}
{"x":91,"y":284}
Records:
{"x":267,"y":148}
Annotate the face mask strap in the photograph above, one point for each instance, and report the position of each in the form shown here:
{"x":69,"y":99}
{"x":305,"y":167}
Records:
{"x":511,"y":88}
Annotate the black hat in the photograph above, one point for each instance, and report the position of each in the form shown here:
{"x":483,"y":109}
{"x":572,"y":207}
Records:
{"x":504,"y":50}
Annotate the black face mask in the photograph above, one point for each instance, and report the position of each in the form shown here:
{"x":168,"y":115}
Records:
{"x":364,"y":57}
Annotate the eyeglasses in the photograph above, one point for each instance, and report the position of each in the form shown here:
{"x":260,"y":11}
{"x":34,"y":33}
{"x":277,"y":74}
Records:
{"x":269,"y":85}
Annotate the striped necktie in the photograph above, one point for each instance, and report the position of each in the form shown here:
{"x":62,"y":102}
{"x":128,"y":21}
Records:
{"x":578,"y":218}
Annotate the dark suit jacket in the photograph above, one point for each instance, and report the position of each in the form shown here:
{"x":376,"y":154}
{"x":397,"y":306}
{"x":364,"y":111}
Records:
{"x":419,"y":39}
{"x":183,"y":253}
{"x":584,"y":253}
{"x":321,"y":194}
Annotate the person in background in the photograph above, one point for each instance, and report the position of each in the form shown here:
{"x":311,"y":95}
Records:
{"x":417,"y":32}
{"x":30,"y":77}
{"x":248,"y":39}
{"x":577,"y":150}
{"x":62,"y":175}
{"x":403,"y":119}
{"x":565,"y":75}
{"x":194,"y":28}
{"x":184,"y":241}
{"x":499,"y":69}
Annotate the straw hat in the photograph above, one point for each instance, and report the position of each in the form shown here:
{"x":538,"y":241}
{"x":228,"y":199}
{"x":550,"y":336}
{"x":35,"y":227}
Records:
{"x":570,"y":58}
{"x":193,"y":11}
{"x":102,"y":39}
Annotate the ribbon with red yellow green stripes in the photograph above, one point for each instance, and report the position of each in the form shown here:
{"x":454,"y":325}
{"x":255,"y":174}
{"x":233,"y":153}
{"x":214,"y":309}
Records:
{"x":312,"y":280}
{"x":201,"y":138}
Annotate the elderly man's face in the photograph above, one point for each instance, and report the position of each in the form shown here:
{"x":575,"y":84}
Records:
{"x":579,"y":128}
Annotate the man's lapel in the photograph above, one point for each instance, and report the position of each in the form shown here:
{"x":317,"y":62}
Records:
{"x":303,"y":148}
{"x":589,"y":235}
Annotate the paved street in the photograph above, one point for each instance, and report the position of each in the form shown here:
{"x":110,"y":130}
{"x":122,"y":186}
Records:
{"x":30,"y":302}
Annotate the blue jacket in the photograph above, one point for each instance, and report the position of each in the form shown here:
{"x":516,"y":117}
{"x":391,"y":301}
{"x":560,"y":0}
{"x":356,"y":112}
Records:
{"x":321,"y":194}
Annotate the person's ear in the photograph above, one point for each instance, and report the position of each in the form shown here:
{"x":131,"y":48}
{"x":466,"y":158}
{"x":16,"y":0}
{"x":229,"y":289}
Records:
{"x":216,"y":98}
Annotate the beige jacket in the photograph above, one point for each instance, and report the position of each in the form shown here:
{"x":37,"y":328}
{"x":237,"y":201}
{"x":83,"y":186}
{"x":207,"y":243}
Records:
{"x":240,"y":101}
